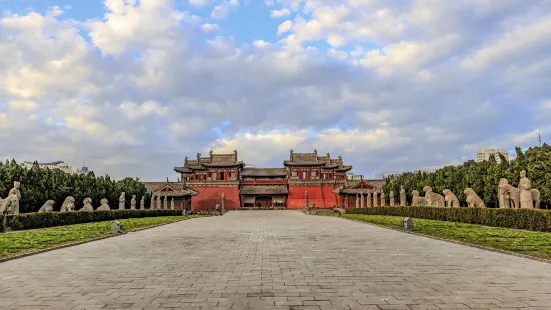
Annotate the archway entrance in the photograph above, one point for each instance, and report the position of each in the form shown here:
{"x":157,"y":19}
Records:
{"x":263,"y":201}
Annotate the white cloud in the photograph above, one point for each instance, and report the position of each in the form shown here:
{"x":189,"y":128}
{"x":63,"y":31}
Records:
{"x":28,"y":106}
{"x":284,"y":27}
{"x":209,"y":27}
{"x":222,"y":11}
{"x":280,"y":13}
{"x":198,"y":3}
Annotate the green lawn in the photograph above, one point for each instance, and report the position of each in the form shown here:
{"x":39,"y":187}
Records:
{"x":20,"y":242}
{"x":537,"y":244}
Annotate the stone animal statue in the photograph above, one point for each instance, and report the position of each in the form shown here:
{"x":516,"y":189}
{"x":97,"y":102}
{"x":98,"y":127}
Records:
{"x":433,"y":199}
{"x":473,"y":201}
{"x":416,"y":200}
{"x":10,"y":204}
{"x":87,"y":205}
{"x":451,"y":199}
{"x":68,"y":205}
{"x":104,"y":205}
{"x":503,"y":198}
{"x":512,"y":196}
{"x":47,"y":207}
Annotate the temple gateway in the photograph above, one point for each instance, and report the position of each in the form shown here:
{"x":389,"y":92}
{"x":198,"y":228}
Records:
{"x":222,"y":179}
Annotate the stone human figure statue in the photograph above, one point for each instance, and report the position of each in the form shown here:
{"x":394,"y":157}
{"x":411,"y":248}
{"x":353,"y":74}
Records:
{"x":362,"y":200}
{"x":525,"y":186}
{"x":142,"y":203}
{"x":357,"y":201}
{"x":87,"y":202}
{"x":158,"y":202}
{"x":375,"y":198}
{"x":172,"y":204}
{"x":104,"y":205}
{"x":152,"y":203}
{"x":306,"y":199}
{"x":391,"y":198}
{"x":10,"y":205}
{"x":47,"y":207}
{"x":403,"y":201}
{"x":383,"y":199}
{"x":165,"y":203}
{"x":133,"y":203}
{"x":122,"y":201}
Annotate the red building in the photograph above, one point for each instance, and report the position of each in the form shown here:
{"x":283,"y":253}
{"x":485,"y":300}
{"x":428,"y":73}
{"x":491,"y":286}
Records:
{"x":305,"y":177}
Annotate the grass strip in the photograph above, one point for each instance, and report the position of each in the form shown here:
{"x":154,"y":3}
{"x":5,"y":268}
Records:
{"x":23,"y":242}
{"x":532,"y":243}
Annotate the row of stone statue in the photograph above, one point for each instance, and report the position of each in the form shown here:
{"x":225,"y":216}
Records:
{"x":524,"y":196}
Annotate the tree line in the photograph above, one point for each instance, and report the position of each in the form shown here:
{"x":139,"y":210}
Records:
{"x":482,"y":177}
{"x":41,"y":184}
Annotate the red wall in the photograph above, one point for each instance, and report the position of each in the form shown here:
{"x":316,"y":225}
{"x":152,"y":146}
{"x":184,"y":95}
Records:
{"x":321,"y":196}
{"x":209,"y":197}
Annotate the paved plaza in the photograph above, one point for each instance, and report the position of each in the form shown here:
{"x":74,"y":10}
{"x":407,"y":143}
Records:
{"x":273,"y":260}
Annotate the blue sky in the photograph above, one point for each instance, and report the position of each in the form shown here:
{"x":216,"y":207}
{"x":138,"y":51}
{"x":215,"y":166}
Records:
{"x":132,"y":87}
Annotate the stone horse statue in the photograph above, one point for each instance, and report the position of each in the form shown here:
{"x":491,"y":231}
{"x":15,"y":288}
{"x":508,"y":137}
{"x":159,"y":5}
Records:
{"x":513,"y":195}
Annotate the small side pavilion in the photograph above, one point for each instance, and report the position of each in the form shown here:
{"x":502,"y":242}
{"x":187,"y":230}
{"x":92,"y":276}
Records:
{"x":360,"y":193}
{"x":170,"y":195}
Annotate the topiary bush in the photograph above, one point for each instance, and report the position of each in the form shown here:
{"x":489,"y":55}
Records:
{"x":531,"y":219}
{"x":51,"y":219}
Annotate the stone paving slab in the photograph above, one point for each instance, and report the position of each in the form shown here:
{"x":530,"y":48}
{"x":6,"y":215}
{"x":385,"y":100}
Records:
{"x":273,"y":260}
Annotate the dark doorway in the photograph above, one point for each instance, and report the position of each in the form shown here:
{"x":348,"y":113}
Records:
{"x":263,"y":201}
{"x":222,"y":176}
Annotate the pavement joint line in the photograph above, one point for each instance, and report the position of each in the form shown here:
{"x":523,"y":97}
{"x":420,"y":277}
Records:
{"x":543,"y":260}
{"x":5,"y":259}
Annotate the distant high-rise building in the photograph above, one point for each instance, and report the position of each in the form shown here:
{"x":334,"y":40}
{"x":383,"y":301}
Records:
{"x":484,"y":153}
{"x":58,"y":165}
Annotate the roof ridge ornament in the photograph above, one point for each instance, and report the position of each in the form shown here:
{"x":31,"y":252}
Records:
{"x":185,"y":161}
{"x":291,"y":155}
{"x":199,"y":158}
{"x":235,"y":154}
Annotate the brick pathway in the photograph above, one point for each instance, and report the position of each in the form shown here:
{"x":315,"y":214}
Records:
{"x":273,"y":260}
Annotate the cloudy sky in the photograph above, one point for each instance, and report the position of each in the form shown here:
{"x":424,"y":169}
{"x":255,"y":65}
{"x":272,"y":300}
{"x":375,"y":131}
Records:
{"x":132,"y":87}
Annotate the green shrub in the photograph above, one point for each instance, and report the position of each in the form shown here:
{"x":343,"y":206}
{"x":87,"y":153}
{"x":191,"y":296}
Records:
{"x":51,"y":219}
{"x":531,"y":219}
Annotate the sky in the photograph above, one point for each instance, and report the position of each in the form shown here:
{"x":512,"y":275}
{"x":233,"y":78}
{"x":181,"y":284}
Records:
{"x":132,"y":87}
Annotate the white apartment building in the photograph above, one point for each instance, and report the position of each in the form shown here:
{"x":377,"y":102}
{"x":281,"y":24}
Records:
{"x":484,"y":153}
{"x":57,"y":165}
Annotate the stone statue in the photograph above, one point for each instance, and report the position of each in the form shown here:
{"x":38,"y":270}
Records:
{"x":104,"y":205}
{"x":369,"y":200}
{"x":375,"y":198}
{"x":473,"y":201}
{"x":501,"y":196}
{"x":158,"y":202}
{"x":525,"y":186}
{"x":133,"y":203}
{"x":68,"y":205}
{"x":433,"y":199}
{"x":217,"y":208}
{"x":165,"y":203}
{"x":362,"y":200}
{"x":416,"y":200}
{"x":305,"y":194}
{"x":10,"y":205}
{"x":383,"y":199}
{"x":152,"y":203}
{"x":391,"y":198}
{"x":172,"y":204}
{"x":403,"y":201}
{"x":357,"y":201}
{"x":47,"y":207}
{"x":122,"y":201}
{"x":511,"y":196}
{"x":87,"y":205}
{"x":142,"y":203}
{"x":451,"y":199}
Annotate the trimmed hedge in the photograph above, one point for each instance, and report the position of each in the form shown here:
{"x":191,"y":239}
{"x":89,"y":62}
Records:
{"x":51,"y":219}
{"x":530,"y":219}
